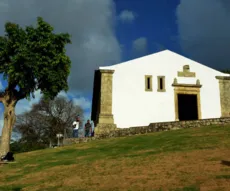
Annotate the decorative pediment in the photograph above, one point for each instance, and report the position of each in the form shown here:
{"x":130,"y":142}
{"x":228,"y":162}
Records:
{"x":186,"y":72}
{"x":176,"y":84}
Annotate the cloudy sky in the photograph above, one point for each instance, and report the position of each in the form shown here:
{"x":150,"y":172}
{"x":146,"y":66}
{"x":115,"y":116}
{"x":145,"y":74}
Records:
{"x":106,"y":32}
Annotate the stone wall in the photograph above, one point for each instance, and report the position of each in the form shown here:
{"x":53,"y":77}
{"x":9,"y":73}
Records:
{"x":69,"y":141}
{"x":224,"y":85}
{"x":153,"y":127}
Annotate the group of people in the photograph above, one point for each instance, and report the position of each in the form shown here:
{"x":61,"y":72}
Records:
{"x":88,"y":130}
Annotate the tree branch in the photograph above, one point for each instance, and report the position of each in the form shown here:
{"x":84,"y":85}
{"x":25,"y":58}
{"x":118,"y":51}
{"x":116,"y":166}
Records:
{"x":21,"y":94}
{"x":2,"y":93}
{"x":11,"y":85}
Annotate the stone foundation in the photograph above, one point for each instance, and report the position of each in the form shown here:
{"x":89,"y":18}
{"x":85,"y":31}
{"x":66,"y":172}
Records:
{"x":153,"y":127}
{"x":70,"y":141}
{"x":105,"y":128}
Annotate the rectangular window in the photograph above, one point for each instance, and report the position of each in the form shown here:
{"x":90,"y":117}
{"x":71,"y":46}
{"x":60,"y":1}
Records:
{"x":148,"y":83}
{"x":161,"y":84}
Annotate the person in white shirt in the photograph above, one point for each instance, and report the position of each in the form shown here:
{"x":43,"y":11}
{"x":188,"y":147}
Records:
{"x":76,"y":127}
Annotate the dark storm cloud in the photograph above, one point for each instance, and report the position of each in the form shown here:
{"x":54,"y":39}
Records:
{"x":90,"y":22}
{"x":204,"y":31}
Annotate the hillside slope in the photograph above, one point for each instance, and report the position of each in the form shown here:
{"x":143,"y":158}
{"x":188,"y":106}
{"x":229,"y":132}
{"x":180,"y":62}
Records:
{"x":180,"y":160}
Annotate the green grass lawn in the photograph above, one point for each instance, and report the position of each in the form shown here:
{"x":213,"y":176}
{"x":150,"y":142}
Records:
{"x":180,"y":160}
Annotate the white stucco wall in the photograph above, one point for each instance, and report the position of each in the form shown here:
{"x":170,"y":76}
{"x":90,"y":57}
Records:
{"x":133,"y":106}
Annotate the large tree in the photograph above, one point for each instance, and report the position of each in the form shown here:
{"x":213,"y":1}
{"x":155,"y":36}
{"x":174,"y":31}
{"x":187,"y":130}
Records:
{"x":31,"y":58}
{"x":56,"y":115}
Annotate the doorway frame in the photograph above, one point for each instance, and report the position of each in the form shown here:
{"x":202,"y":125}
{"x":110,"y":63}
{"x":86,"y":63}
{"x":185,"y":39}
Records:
{"x":188,"y":89}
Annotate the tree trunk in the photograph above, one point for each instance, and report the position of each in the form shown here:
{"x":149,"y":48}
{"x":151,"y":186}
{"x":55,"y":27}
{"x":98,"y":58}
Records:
{"x":9,"y":121}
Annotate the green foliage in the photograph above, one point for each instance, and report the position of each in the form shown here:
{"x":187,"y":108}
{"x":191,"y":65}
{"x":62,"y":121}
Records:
{"x":35,"y":58}
{"x":20,"y":147}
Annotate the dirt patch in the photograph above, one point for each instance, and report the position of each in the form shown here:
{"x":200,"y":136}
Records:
{"x":31,"y":165}
{"x":169,"y":171}
{"x":206,"y":134}
{"x":82,"y":146}
{"x":51,"y":173}
{"x":145,"y":151}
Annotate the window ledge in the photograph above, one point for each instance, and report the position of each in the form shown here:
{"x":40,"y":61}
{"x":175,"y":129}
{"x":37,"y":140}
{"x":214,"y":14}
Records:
{"x":161,"y":90}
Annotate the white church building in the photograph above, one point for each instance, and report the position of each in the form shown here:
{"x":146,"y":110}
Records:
{"x":160,"y":87}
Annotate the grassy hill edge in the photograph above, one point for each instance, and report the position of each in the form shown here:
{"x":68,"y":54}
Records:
{"x":139,"y":160}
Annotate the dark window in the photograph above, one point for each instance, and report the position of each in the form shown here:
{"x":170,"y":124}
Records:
{"x":161,"y":84}
{"x":148,"y":83}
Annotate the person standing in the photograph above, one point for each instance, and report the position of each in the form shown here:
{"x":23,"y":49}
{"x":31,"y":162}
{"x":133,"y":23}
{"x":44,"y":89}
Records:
{"x":76,"y":127}
{"x":88,"y":128}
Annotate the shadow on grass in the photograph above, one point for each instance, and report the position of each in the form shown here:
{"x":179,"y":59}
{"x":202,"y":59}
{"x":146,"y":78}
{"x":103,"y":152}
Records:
{"x":223,"y":176}
{"x":11,"y":188}
{"x":190,"y":188}
{"x":225,"y":162}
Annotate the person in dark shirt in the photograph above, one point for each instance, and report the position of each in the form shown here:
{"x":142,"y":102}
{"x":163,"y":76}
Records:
{"x":8,"y":157}
{"x":88,"y":128}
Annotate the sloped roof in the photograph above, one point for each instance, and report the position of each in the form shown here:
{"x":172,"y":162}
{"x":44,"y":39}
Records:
{"x":164,"y":53}
{"x":140,"y":58}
